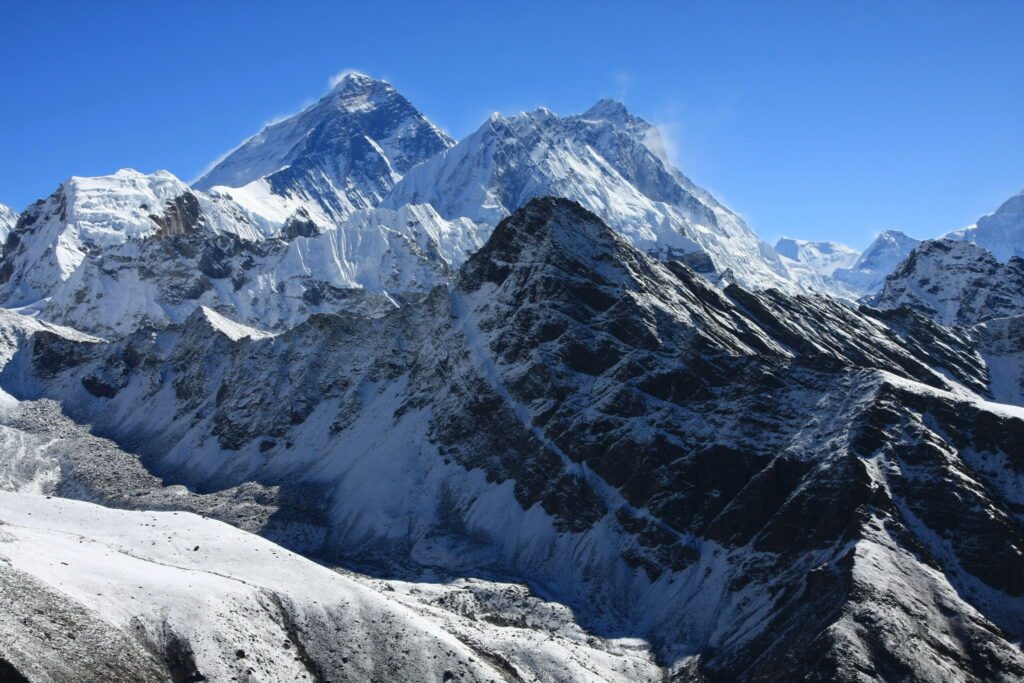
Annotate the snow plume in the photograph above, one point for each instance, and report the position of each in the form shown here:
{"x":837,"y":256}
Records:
{"x":337,"y":78}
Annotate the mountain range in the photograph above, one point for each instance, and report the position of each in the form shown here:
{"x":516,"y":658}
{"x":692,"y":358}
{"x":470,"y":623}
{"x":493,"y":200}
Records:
{"x":364,"y":402}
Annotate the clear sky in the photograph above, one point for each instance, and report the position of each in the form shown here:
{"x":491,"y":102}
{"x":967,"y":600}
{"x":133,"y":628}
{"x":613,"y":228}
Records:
{"x":820,"y":120}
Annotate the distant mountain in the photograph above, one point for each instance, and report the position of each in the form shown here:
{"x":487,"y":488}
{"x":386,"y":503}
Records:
{"x":113,"y":253}
{"x":609,"y":161}
{"x":340,"y":155}
{"x":867,"y":274}
{"x":54,"y":236}
{"x":823,"y":258}
{"x":970,"y":276}
{"x":1001,"y":232}
{"x":956,"y":283}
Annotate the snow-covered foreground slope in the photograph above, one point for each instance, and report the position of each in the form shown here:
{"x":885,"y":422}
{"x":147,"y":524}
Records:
{"x":339,"y":155}
{"x":609,"y":161}
{"x":91,"y":593}
{"x":651,"y":450}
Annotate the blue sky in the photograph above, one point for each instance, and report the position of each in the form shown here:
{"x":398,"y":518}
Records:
{"x":820,"y":120}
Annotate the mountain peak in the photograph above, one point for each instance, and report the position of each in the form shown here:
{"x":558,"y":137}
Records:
{"x":337,"y":156}
{"x":617,"y":168}
{"x":552,"y":218}
{"x":867,"y":274}
{"x":892,"y":234}
{"x":545,"y":230}
{"x":1001,"y":232}
{"x":352,"y":79}
{"x":608,"y":109}
{"x":891,"y":244}
{"x":355,"y":84}
{"x":956,"y":283}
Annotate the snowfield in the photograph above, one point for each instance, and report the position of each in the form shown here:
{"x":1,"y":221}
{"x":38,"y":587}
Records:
{"x":92,"y":593}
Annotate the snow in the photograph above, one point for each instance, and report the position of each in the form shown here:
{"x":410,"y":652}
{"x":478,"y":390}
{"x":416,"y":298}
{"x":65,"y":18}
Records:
{"x":603,"y":160}
{"x":867,"y":274}
{"x":823,"y":258}
{"x":257,"y":198}
{"x":8,"y":217}
{"x":1000,"y":232}
{"x":339,"y":155}
{"x":232,"y":330}
{"x":956,"y":283}
{"x":155,"y":573}
{"x":383,"y":250}
{"x":957,"y":393}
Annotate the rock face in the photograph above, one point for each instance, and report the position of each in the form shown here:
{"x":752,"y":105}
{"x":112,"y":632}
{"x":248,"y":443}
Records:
{"x":1001,"y":232}
{"x":609,"y":161}
{"x":867,"y":275}
{"x":337,"y":156}
{"x":956,"y":283}
{"x":759,"y":484}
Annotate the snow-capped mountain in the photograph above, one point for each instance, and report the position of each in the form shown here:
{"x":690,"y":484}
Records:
{"x":609,"y":161}
{"x":822,"y":258}
{"x":646,"y":447}
{"x":54,"y":236}
{"x":1000,"y":232}
{"x":111,"y":254}
{"x":867,"y":274}
{"x":587,"y":436}
{"x":337,"y":156}
{"x":956,"y":283}
{"x":8,"y":217}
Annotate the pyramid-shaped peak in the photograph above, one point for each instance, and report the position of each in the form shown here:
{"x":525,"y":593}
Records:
{"x":608,"y":110}
{"x":362,"y":135}
{"x":350,"y":81}
{"x":546,"y":230}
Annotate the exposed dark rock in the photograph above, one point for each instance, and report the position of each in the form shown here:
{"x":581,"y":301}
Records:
{"x":181,"y":216}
